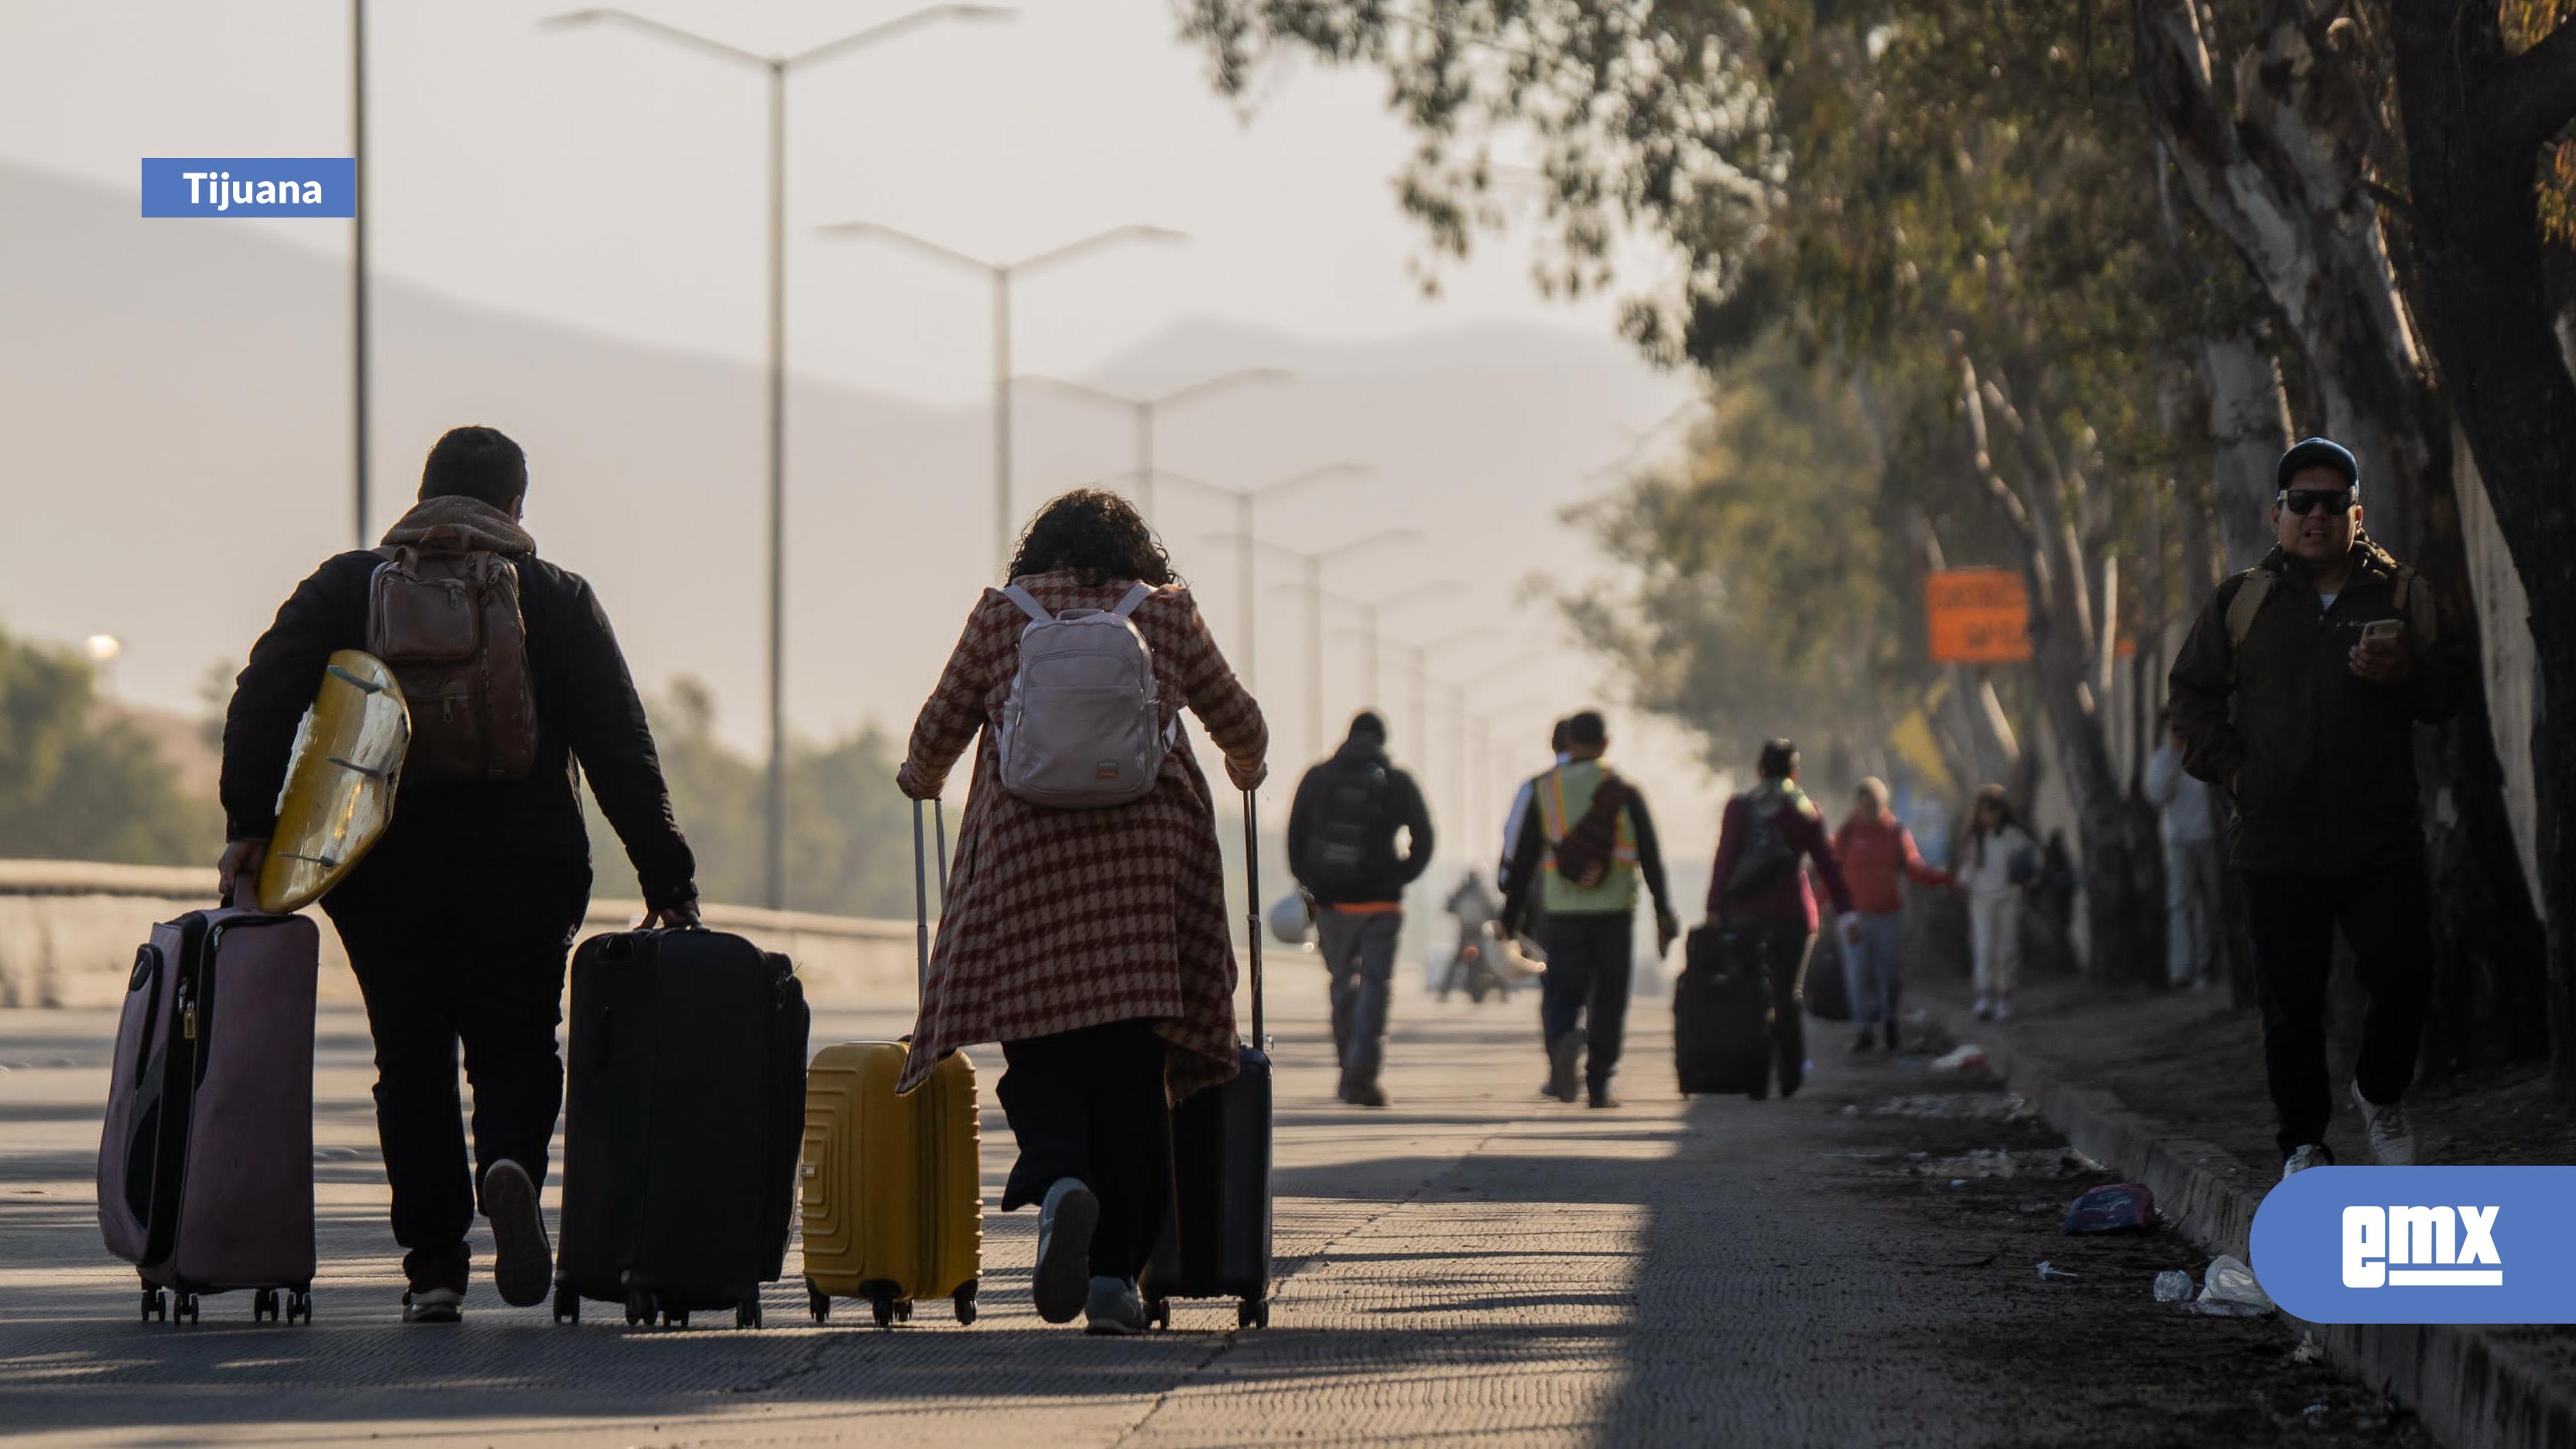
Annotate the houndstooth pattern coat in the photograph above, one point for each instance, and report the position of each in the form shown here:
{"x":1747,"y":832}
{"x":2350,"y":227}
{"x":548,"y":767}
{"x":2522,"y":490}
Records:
{"x":1061,"y":919}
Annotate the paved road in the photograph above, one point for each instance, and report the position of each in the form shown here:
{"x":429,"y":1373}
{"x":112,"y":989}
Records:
{"x":1472,"y":1263}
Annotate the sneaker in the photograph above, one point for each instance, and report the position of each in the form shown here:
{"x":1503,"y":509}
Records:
{"x":2390,"y":1140}
{"x":523,"y":1261}
{"x":1065,"y":1223}
{"x":1115,"y":1308}
{"x":2312,"y":1154}
{"x":1371,"y":1095}
{"x":2003,"y":1008}
{"x":1868,"y":1039}
{"x":1562,"y":1055}
{"x":433,"y":1305}
{"x":1985,"y":1008}
{"x":1604,"y":1098}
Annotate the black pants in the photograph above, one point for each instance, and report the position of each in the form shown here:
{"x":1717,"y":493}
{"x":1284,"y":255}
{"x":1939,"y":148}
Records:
{"x":2387,"y":916}
{"x":1590,"y":960}
{"x":1091,"y":1104}
{"x":470,"y":954}
{"x":1785,"y":948}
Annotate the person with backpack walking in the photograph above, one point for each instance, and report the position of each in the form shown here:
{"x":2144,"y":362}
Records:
{"x":1085,"y":926}
{"x":1878,"y":855}
{"x":2298,"y":692}
{"x":457,"y":923}
{"x":2001,"y":865}
{"x":1341,"y":849}
{"x":1764,"y":838}
{"x":1586,"y":841}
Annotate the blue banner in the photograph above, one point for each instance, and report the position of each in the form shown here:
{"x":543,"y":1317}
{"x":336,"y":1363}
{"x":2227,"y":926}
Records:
{"x":250,"y":186}
{"x":2421,"y":1244}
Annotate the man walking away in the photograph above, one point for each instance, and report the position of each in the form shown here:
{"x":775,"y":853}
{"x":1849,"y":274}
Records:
{"x":2298,"y":693}
{"x":1585,"y":838}
{"x":1341,"y":848}
{"x":457,"y":923}
{"x":2187,"y":818}
{"x":1760,"y":882}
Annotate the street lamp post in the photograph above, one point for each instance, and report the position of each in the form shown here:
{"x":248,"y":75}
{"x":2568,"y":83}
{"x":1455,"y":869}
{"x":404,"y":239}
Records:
{"x":1144,"y":411}
{"x":1002,"y":274}
{"x":1313,"y":583}
{"x":776,"y":68}
{"x":1371,"y":609}
{"x":1245,"y":501}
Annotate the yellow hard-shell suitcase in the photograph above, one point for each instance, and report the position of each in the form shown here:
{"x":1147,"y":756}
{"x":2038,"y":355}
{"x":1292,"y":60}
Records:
{"x":891,"y":1188}
{"x":340,"y":781}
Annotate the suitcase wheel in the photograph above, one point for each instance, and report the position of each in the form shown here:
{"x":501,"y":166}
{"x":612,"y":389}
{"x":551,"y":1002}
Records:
{"x":184,"y":1306}
{"x":1159,"y":1312}
{"x":299,"y":1306}
{"x":1252,"y":1313}
{"x":263,"y":1306}
{"x":567,"y":1304}
{"x":675,"y":1318}
{"x":640,"y":1308}
{"x":903,"y":1310}
{"x":746,"y":1314}
{"x":818,"y":1303}
{"x":964,"y":1303}
{"x":883,"y":1302}
{"x":156,"y":1304}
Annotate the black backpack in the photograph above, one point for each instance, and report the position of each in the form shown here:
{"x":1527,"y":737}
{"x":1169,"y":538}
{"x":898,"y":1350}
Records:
{"x":1350,"y":830}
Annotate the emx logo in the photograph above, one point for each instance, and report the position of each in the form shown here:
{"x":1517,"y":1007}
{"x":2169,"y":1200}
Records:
{"x":2420,"y":1244}
{"x":2376,"y":1241}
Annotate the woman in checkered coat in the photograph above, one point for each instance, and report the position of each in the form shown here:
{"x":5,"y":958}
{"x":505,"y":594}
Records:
{"x":1092,"y":944}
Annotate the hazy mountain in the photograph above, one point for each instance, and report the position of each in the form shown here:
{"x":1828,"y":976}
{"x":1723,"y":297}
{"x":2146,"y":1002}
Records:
{"x":176,"y":397}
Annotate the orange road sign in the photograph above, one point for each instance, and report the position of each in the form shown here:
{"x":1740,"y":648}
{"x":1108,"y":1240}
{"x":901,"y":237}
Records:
{"x":1977,"y":616}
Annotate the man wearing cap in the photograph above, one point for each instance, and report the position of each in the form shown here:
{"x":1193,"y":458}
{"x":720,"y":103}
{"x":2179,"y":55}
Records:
{"x":2298,"y":693}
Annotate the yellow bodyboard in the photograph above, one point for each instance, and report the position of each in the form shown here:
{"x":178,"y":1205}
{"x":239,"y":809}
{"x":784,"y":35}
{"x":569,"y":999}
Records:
{"x":340,"y":780}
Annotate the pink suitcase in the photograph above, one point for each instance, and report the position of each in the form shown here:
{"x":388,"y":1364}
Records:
{"x":205,"y":1171}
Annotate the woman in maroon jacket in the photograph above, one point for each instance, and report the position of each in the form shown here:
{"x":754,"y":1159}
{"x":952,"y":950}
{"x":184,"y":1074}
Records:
{"x":1878,"y":855}
{"x":1759,"y":882}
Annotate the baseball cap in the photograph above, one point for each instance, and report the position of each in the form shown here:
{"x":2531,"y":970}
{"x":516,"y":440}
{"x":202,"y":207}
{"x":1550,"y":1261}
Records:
{"x":2317,"y":453}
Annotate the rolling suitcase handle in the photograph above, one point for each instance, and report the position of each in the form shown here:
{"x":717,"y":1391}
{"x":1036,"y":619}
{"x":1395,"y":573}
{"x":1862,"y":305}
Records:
{"x":921,"y":886}
{"x":1252,"y":907}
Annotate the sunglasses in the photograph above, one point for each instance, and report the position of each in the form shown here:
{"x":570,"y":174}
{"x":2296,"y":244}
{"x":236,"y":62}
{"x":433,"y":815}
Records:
{"x":2303,"y":501}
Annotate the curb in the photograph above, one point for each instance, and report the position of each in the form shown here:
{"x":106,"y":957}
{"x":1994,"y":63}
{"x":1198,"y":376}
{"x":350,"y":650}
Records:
{"x":2471,"y":1387}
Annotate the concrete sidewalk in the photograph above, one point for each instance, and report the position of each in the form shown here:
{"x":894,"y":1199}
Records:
{"x":1473,"y":1264}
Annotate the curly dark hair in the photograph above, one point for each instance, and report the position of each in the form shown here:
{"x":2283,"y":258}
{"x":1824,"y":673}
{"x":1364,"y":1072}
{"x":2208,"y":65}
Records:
{"x":1096,"y":534}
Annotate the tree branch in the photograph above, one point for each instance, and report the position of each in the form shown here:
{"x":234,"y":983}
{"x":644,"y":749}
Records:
{"x":2532,"y":96}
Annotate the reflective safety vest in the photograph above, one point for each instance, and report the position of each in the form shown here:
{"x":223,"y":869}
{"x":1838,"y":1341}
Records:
{"x":1564,"y":795}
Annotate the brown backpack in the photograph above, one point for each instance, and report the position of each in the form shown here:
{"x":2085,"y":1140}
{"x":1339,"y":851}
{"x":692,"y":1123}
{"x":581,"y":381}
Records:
{"x":445,"y":618}
{"x":1591,"y":845}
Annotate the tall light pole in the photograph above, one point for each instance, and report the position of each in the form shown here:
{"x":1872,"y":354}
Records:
{"x":1371,"y":609}
{"x":1482,"y":774}
{"x":1312,"y":581}
{"x":1245,"y":501}
{"x":1457,"y":705}
{"x":776,"y":67}
{"x":358,"y":388}
{"x":1143,"y":411}
{"x":1001,"y":275}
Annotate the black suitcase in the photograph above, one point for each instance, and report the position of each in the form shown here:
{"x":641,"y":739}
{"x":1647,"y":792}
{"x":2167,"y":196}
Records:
{"x":1216,"y":1243}
{"x":1722,"y":1015}
{"x":1826,"y":988}
{"x":684,"y":1113}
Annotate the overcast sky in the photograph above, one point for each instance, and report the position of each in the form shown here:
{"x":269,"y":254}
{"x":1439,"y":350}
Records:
{"x":603,"y":177}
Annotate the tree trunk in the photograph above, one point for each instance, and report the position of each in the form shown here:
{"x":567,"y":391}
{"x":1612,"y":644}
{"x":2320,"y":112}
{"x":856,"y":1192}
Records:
{"x":2475,"y":118}
{"x":2249,"y":426}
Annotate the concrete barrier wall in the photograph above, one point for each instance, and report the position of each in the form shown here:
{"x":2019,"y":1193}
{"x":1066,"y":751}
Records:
{"x":68,"y":930}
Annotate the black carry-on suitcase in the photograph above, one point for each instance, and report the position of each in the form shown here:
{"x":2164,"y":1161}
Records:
{"x":1722,"y":1015}
{"x":684,"y":1112}
{"x":1216,"y":1243}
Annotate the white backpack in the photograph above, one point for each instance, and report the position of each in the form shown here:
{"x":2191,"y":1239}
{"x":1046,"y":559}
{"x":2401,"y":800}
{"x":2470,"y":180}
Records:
{"x":1083,"y":727}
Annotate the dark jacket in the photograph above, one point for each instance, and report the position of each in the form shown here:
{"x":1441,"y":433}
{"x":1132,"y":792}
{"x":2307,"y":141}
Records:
{"x":1382,"y":876}
{"x":1522,"y":902}
{"x":1785,"y":899}
{"x":588,"y":717}
{"x":2320,"y":762}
